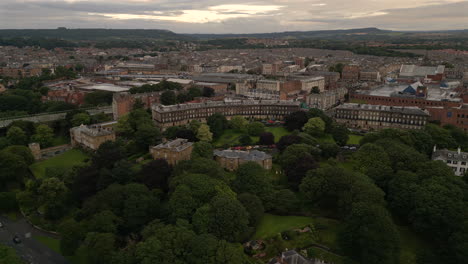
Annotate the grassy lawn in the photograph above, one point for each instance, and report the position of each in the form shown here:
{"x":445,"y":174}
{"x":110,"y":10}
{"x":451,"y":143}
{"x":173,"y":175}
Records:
{"x":66,"y":160}
{"x":60,"y":141}
{"x":326,"y":139}
{"x":231,"y":137}
{"x":354,"y":139}
{"x":410,"y":245}
{"x":272,"y":224}
{"x":327,"y":230}
{"x":278,"y":132}
{"x":54,"y":244}
{"x":50,"y":242}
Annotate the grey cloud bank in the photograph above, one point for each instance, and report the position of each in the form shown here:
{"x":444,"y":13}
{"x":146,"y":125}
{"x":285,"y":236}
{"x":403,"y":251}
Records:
{"x":208,"y":16}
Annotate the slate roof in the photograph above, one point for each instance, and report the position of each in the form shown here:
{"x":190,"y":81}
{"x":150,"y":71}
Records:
{"x":178,"y":144}
{"x":253,"y":155}
{"x":445,"y":154}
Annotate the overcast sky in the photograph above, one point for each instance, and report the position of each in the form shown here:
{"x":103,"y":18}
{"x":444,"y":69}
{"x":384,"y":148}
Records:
{"x":239,"y":16}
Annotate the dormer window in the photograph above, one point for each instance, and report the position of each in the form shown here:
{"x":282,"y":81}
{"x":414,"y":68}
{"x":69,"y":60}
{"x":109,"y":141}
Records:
{"x":449,"y":155}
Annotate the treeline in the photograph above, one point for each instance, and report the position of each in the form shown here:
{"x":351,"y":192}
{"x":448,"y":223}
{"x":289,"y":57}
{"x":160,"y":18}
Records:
{"x":45,"y":43}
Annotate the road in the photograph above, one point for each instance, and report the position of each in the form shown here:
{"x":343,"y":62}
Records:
{"x":31,"y":250}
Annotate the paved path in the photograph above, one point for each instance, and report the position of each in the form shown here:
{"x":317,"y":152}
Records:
{"x":31,"y":250}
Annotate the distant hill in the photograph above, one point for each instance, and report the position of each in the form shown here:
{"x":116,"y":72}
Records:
{"x":91,"y":34}
{"x":299,"y":34}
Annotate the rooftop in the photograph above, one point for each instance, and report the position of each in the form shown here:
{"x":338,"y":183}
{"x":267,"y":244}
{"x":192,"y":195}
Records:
{"x":253,"y":155}
{"x":168,"y":108}
{"x":178,"y":144}
{"x":412,"y":110}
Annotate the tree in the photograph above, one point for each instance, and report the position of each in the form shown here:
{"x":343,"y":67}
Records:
{"x":314,"y":127}
{"x":239,"y":123}
{"x":51,"y":190}
{"x":245,"y":140}
{"x":288,"y":140}
{"x":81,"y":119}
{"x":108,"y":154}
{"x":98,"y":98}
{"x":296,"y":120}
{"x":12,"y":167}
{"x":297,"y":170}
{"x":208,"y":92}
{"x":254,"y":207}
{"x":168,"y":98}
{"x":103,"y":222}
{"x":255,"y":128}
{"x":97,"y":248}
{"x":155,"y":174}
{"x":72,"y":233}
{"x":217,"y":123}
{"x":202,"y":150}
{"x":204,"y":133}
{"x":9,"y":255}
{"x":284,"y":202}
{"x":21,"y":151}
{"x":44,"y":136}
{"x":266,"y":138}
{"x":16,"y":136}
{"x":329,"y":150}
{"x":252,"y":178}
{"x":370,"y":236}
{"x":187,"y":134}
{"x":147,"y":135}
{"x":340,"y":134}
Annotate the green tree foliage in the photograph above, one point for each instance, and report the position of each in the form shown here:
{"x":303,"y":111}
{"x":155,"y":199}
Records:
{"x":442,"y":137}
{"x":238,"y":123}
{"x":98,"y":98}
{"x":12,"y":167}
{"x":44,"y":136}
{"x":254,"y":207}
{"x":8,"y":255}
{"x":255,"y":128}
{"x":288,"y":140}
{"x":72,"y":233}
{"x":204,"y":133}
{"x":168,"y":98}
{"x":314,"y":127}
{"x":97,"y":248}
{"x":21,"y":151}
{"x":252,"y":178}
{"x":369,"y":235}
{"x":296,"y":120}
{"x":16,"y":136}
{"x":155,"y":174}
{"x":266,"y":138}
{"x":245,"y":140}
{"x":340,"y":134}
{"x":217,"y":123}
{"x":8,"y":202}
{"x":81,"y":119}
{"x":373,"y":161}
{"x":103,"y":222}
{"x":202,"y":150}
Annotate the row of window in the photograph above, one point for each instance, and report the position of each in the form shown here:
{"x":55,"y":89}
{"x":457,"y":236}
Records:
{"x":455,"y":162}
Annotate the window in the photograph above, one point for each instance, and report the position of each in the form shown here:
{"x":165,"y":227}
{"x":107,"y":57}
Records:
{"x":449,"y":162}
{"x":455,"y":162}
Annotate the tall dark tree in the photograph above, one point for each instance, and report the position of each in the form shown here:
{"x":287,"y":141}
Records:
{"x":266,"y":138}
{"x":217,"y":123}
{"x":296,"y":120}
{"x":155,"y":174}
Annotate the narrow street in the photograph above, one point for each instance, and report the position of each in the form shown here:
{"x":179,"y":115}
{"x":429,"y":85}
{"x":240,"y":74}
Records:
{"x":31,"y":250}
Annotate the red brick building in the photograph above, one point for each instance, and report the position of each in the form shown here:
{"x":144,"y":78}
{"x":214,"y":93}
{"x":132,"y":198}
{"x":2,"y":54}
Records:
{"x":122,"y":103}
{"x":350,"y":73}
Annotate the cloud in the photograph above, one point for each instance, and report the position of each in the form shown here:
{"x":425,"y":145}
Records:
{"x":245,"y":16}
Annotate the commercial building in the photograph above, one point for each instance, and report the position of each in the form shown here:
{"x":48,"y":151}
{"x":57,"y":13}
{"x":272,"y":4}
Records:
{"x":326,"y":99}
{"x":370,"y":76}
{"x":232,"y":159}
{"x":456,"y":160}
{"x":421,"y":71}
{"x":308,"y":84}
{"x":182,"y":114}
{"x":173,"y":151}
{"x":92,"y":136}
{"x":122,"y":103}
{"x":374,"y":117}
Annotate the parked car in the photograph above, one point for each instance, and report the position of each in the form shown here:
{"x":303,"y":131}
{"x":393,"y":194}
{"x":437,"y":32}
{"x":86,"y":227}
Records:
{"x":16,"y":239}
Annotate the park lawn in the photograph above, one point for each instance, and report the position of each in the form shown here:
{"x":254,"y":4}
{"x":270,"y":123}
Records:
{"x":327,"y":138}
{"x":278,"y":132}
{"x":410,"y":245}
{"x":60,"y":140}
{"x":354,"y":139}
{"x":327,"y":230}
{"x":50,"y":242}
{"x":271,"y":225}
{"x":54,"y":244}
{"x":66,"y":160}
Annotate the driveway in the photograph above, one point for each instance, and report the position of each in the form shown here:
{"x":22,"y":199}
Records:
{"x":31,"y":250}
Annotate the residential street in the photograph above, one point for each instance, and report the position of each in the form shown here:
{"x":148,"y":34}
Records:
{"x":31,"y":250}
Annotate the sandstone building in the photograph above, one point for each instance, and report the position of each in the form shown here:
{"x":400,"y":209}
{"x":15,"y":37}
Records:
{"x":374,"y":117}
{"x":173,"y":151}
{"x":92,"y":136}
{"x":232,"y":159}
{"x":182,"y":114}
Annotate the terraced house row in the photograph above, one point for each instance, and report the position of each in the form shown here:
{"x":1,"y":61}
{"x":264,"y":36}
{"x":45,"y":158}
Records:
{"x":182,"y":114}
